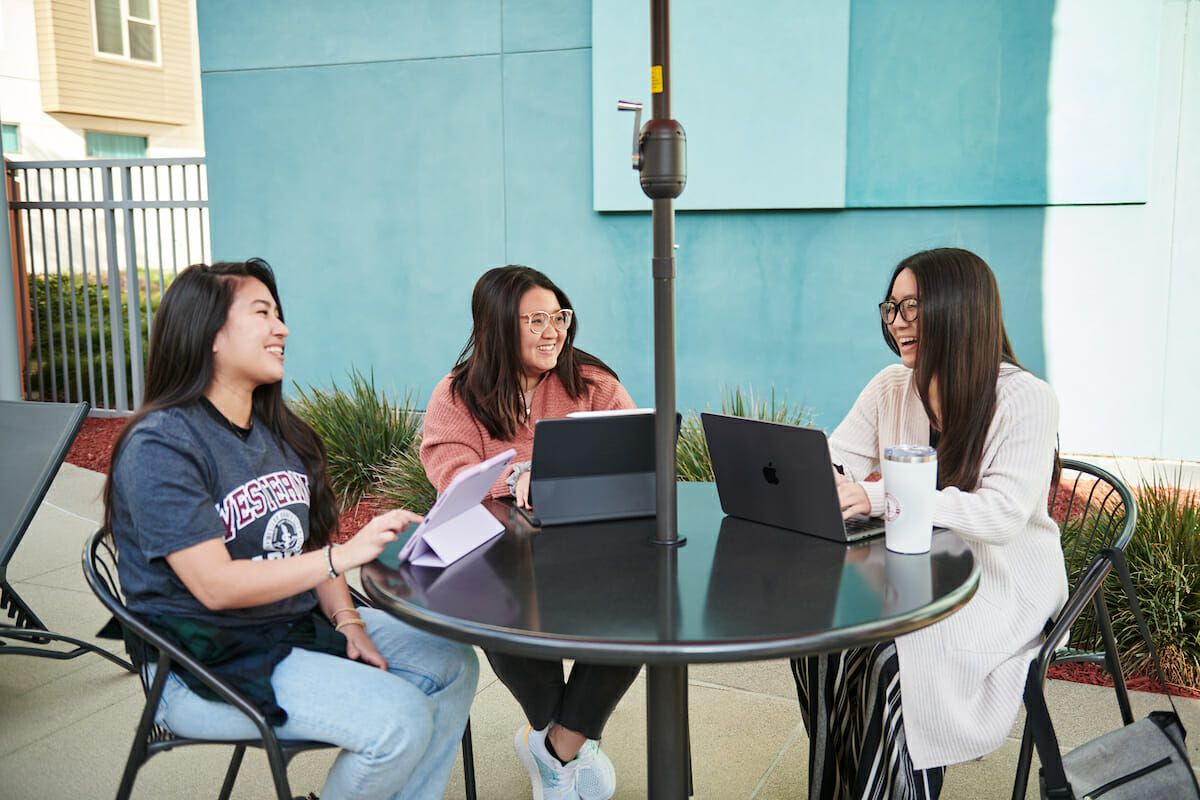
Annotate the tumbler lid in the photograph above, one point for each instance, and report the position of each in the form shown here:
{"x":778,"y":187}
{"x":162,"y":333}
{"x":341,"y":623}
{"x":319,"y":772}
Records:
{"x":910,"y":453}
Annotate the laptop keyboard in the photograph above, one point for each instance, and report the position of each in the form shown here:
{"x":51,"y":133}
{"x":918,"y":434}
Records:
{"x":863,"y":526}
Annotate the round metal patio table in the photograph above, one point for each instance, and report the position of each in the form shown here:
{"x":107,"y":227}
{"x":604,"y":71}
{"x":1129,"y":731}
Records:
{"x":602,"y":592}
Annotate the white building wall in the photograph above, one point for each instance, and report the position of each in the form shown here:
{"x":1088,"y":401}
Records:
{"x":1122,"y":283}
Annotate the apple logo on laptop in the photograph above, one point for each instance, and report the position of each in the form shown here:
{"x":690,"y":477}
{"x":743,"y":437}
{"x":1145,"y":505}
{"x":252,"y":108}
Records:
{"x":770,"y":474}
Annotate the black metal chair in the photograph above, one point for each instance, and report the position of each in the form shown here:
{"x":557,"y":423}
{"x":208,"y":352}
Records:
{"x":100,"y":569}
{"x":1095,"y":511}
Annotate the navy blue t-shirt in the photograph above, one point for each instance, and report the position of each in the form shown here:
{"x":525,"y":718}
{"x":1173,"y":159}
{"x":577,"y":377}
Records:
{"x":185,"y":476}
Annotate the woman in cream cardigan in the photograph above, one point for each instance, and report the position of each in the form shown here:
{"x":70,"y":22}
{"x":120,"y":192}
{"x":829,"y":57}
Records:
{"x":959,"y":388}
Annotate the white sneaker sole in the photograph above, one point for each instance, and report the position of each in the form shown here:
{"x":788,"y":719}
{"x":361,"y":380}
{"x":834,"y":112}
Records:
{"x":528,"y":761}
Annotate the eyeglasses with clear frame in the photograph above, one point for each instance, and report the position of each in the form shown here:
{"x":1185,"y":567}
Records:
{"x":908,"y":308}
{"x":538,"y":320}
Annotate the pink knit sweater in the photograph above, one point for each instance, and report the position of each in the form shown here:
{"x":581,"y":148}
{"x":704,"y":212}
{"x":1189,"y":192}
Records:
{"x":453,"y":439}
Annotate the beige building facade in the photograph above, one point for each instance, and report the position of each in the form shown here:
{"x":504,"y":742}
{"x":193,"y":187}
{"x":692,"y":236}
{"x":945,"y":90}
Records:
{"x":99,"y":78}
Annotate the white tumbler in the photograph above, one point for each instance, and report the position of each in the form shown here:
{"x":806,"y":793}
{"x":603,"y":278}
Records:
{"x":910,"y":484}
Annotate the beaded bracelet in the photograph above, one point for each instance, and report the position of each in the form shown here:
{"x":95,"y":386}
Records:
{"x":345,"y":622}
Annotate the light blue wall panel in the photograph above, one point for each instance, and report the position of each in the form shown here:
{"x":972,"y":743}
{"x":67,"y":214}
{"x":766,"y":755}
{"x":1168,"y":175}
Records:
{"x":874,"y":103}
{"x":759,"y":88}
{"x":283,"y":33}
{"x":538,"y":25}
{"x":948,"y":102}
{"x":370,"y":210}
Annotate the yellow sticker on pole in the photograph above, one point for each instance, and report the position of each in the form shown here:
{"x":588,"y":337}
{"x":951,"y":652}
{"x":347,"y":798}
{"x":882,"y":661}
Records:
{"x":656,"y":79}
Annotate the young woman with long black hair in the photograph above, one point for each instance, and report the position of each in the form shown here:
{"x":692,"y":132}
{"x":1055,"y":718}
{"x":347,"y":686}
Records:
{"x":220,"y":505}
{"x":885,"y":721}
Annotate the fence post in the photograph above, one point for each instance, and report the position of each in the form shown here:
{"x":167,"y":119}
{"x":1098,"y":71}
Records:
{"x":120,"y":390}
{"x":10,"y":354}
{"x":132,"y":288}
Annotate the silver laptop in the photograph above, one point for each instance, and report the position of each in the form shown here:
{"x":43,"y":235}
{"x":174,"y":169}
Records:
{"x":780,"y":475}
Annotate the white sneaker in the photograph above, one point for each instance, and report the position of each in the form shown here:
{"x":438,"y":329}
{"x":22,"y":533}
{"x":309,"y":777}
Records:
{"x":551,"y":780}
{"x":596,"y":778}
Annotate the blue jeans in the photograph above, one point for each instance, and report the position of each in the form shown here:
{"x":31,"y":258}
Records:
{"x":399,"y":730}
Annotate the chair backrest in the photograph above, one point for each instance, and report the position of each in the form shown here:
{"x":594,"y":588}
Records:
{"x":99,"y":568}
{"x":100,"y":571}
{"x":1094,"y":509}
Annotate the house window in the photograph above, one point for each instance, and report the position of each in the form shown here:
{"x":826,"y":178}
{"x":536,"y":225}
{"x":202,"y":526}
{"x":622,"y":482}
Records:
{"x":127,"y":29}
{"x":115,"y":145}
{"x":12,"y":138}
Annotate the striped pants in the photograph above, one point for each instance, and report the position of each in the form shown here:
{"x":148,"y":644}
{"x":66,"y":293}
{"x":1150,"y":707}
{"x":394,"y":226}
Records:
{"x":850,"y":703}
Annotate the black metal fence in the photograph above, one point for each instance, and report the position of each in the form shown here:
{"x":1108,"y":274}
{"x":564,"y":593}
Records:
{"x":96,"y":242}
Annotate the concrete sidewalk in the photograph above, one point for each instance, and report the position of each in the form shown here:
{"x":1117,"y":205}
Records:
{"x":66,"y":726}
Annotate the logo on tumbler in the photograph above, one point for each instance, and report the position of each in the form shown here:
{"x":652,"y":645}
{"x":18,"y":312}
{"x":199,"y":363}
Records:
{"x":770,"y":474}
{"x":892,"y":510}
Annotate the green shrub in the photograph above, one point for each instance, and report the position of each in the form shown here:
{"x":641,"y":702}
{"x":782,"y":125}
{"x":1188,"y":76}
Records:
{"x":403,"y":482}
{"x":692,"y":461}
{"x":55,"y":373}
{"x":1164,"y":564}
{"x":362,"y":430}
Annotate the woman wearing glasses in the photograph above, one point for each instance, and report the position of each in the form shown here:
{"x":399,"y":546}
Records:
{"x":959,"y":388}
{"x":520,"y":365}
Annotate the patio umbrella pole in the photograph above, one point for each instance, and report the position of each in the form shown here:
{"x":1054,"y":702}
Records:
{"x":662,"y":178}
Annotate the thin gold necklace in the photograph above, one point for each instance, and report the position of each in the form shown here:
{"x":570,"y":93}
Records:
{"x":527,"y":398}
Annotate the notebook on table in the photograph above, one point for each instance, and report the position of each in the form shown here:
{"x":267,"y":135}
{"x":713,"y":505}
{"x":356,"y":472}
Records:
{"x":780,"y":475}
{"x":593,"y":466}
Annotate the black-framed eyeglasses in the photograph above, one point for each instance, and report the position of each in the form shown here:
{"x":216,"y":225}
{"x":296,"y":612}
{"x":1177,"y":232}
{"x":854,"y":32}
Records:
{"x":538,"y":320}
{"x":908,"y":308}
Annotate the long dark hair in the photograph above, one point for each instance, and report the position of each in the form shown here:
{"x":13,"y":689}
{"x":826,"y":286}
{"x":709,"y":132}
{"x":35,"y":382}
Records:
{"x":487,"y":374}
{"x":180,"y":368}
{"x":962,"y":341}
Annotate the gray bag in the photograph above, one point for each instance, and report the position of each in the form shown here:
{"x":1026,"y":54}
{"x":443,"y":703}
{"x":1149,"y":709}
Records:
{"x":1147,"y":759}
{"x":1142,"y":760}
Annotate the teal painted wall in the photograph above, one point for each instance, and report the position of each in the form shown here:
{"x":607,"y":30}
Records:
{"x":381,"y":160}
{"x":948,"y":103}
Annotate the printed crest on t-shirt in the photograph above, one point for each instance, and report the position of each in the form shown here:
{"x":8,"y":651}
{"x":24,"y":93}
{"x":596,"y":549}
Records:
{"x":283,"y":536}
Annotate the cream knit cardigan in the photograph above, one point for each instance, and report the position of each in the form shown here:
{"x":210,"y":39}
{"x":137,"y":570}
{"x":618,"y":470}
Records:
{"x":962,"y":678}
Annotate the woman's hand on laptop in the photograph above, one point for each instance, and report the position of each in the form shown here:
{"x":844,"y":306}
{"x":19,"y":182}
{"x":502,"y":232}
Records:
{"x":852,"y":496}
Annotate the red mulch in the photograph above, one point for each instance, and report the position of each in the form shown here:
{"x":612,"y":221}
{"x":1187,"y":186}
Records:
{"x":1096,"y":676}
{"x":94,"y":443}
{"x":95,"y":440}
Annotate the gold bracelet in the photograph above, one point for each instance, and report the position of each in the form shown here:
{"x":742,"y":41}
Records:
{"x":333,"y":616}
{"x":345,"y":622}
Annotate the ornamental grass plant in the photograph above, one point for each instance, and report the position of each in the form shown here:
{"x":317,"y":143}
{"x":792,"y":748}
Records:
{"x":692,"y":461}
{"x":363,"y":430}
{"x":403,"y":482}
{"x":1164,"y":565}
